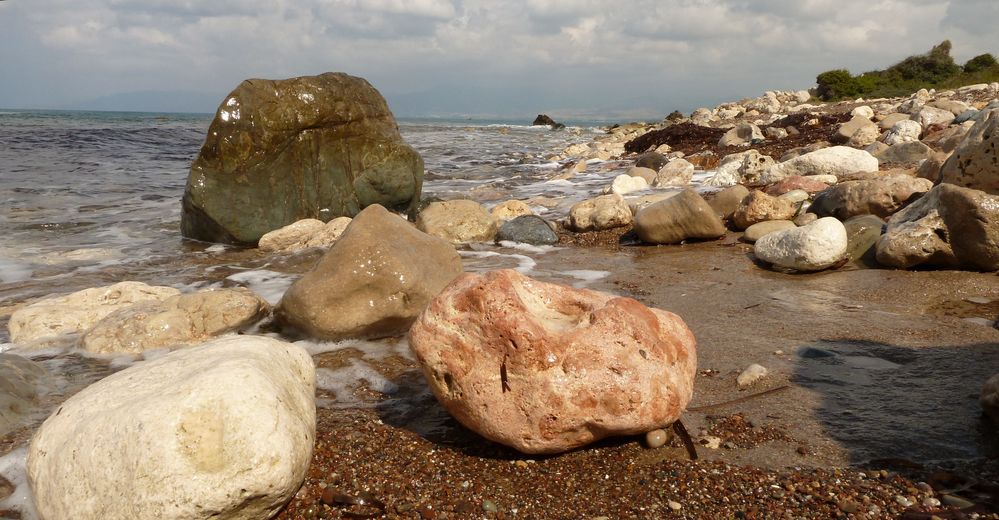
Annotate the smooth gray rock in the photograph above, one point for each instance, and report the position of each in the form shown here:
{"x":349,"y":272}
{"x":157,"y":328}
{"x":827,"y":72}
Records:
{"x":527,"y":229}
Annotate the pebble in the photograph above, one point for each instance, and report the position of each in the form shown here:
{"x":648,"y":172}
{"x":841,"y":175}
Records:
{"x":711,"y":442}
{"x":751,"y":374}
{"x":931,"y":502}
{"x":675,"y":506}
{"x":489,"y":507}
{"x":656,"y":438}
{"x":956,"y":501}
{"x":978,"y":300}
{"x":848,"y":506}
{"x":903,"y":501}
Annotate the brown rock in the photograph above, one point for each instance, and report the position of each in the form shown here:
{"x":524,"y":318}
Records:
{"x":678,"y":218}
{"x":458,"y":221}
{"x":759,"y":207}
{"x":949,"y":226}
{"x":545,"y":368}
{"x":881,"y":196}
{"x":604,"y":212}
{"x":796,"y":182}
{"x":930,"y":168}
{"x":726,"y":201}
{"x":975,"y":163}
{"x":373,"y":282}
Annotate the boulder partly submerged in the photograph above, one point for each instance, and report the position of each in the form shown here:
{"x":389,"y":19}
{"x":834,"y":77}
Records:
{"x":279,"y":151}
{"x":545,"y":368}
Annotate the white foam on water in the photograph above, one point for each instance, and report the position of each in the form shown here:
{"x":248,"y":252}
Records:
{"x":345,"y":380}
{"x":525,"y":264}
{"x":269,"y":285}
{"x":530,"y":248}
{"x":586,"y":276}
{"x":217,"y":248}
{"x":13,"y":467}
{"x":13,"y":271}
{"x":560,"y":182}
{"x":370,"y":349}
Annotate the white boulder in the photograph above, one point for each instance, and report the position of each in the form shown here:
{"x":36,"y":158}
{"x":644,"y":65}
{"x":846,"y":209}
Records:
{"x":813,"y":247}
{"x":834,"y":160}
{"x":221,"y":430}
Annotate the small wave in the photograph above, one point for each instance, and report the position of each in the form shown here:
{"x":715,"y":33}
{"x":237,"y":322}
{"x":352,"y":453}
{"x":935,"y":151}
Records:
{"x":269,"y":285}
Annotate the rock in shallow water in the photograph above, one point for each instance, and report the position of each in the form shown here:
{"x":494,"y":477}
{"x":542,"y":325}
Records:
{"x":77,"y":312}
{"x":373,"y":282}
{"x":180,"y":320}
{"x":279,"y":151}
{"x":545,"y":368}
{"x":20,"y":387}
{"x":813,"y":247}
{"x":528,"y":229}
{"x":221,"y":430}
{"x":762,"y":229}
{"x":458,"y":221}
{"x":304,"y":234}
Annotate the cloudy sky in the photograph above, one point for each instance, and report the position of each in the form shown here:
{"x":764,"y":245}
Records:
{"x":569,"y":58}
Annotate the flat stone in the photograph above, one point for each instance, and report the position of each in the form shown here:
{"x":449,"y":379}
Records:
{"x":761,"y":229}
{"x":685,"y":216}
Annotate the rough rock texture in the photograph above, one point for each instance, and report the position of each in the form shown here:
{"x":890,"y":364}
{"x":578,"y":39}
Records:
{"x":604,"y":212}
{"x":835,"y":160}
{"x":19,"y":390}
{"x":814,"y":247}
{"x":862,"y":233}
{"x":759,"y":207}
{"x":222,"y":430}
{"x":742,"y":134}
{"x":304,"y":234}
{"x":373,"y":282}
{"x":527,"y":229}
{"x":890,"y":120}
{"x":754,"y":166}
{"x":930,"y":168}
{"x":279,"y":151}
{"x":904,"y":131}
{"x":949,"y":226}
{"x":881,"y":196}
{"x":975,"y":162}
{"x":910,"y":153}
{"x":990,"y":398}
{"x":858,"y":131}
{"x":457,"y":221}
{"x":677,"y":172}
{"x":928,"y":115}
{"x":180,"y":320}
{"x":678,"y":218}
{"x":761,"y":229}
{"x":510,"y":210}
{"x":545,"y":368}
{"x":77,"y":312}
{"x":728,"y":200}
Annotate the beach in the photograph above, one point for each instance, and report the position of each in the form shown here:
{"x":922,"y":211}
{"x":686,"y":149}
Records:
{"x":875,"y":372}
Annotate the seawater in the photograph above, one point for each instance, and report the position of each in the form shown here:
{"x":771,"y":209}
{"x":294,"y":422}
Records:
{"x":94,"y":197}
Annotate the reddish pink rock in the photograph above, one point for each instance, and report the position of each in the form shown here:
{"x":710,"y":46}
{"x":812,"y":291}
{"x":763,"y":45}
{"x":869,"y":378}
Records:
{"x":545,"y":368}
{"x":796,"y":182}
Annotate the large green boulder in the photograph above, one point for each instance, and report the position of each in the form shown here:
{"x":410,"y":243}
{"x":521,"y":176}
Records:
{"x":279,"y":151}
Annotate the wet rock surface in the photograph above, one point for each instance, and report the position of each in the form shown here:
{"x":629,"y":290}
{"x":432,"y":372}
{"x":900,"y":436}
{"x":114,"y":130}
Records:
{"x":311,"y":147}
{"x":681,"y":217}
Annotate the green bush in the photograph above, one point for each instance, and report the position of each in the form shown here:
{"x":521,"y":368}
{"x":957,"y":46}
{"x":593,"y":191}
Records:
{"x":935,"y":69}
{"x":979,"y":63}
{"x":836,"y":84}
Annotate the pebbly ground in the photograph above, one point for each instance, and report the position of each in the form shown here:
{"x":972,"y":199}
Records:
{"x":879,"y":417}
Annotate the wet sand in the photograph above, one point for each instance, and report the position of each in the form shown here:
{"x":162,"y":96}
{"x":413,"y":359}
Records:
{"x":883,"y":370}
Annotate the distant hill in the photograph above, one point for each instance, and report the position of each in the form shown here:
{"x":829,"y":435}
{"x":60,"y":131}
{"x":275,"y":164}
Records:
{"x":154,"y":101}
{"x":935,"y":69}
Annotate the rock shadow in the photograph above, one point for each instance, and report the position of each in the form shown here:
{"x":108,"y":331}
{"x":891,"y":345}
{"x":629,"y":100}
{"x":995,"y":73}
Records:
{"x":883,"y":401}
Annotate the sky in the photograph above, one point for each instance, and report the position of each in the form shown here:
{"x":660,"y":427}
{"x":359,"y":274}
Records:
{"x":572,"y":59}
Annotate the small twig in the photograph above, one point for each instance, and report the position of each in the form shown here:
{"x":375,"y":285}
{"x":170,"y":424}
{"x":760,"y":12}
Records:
{"x":685,"y":437}
{"x":738,"y":399}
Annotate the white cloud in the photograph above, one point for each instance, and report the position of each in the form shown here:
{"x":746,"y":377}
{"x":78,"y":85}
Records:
{"x":680,"y":52}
